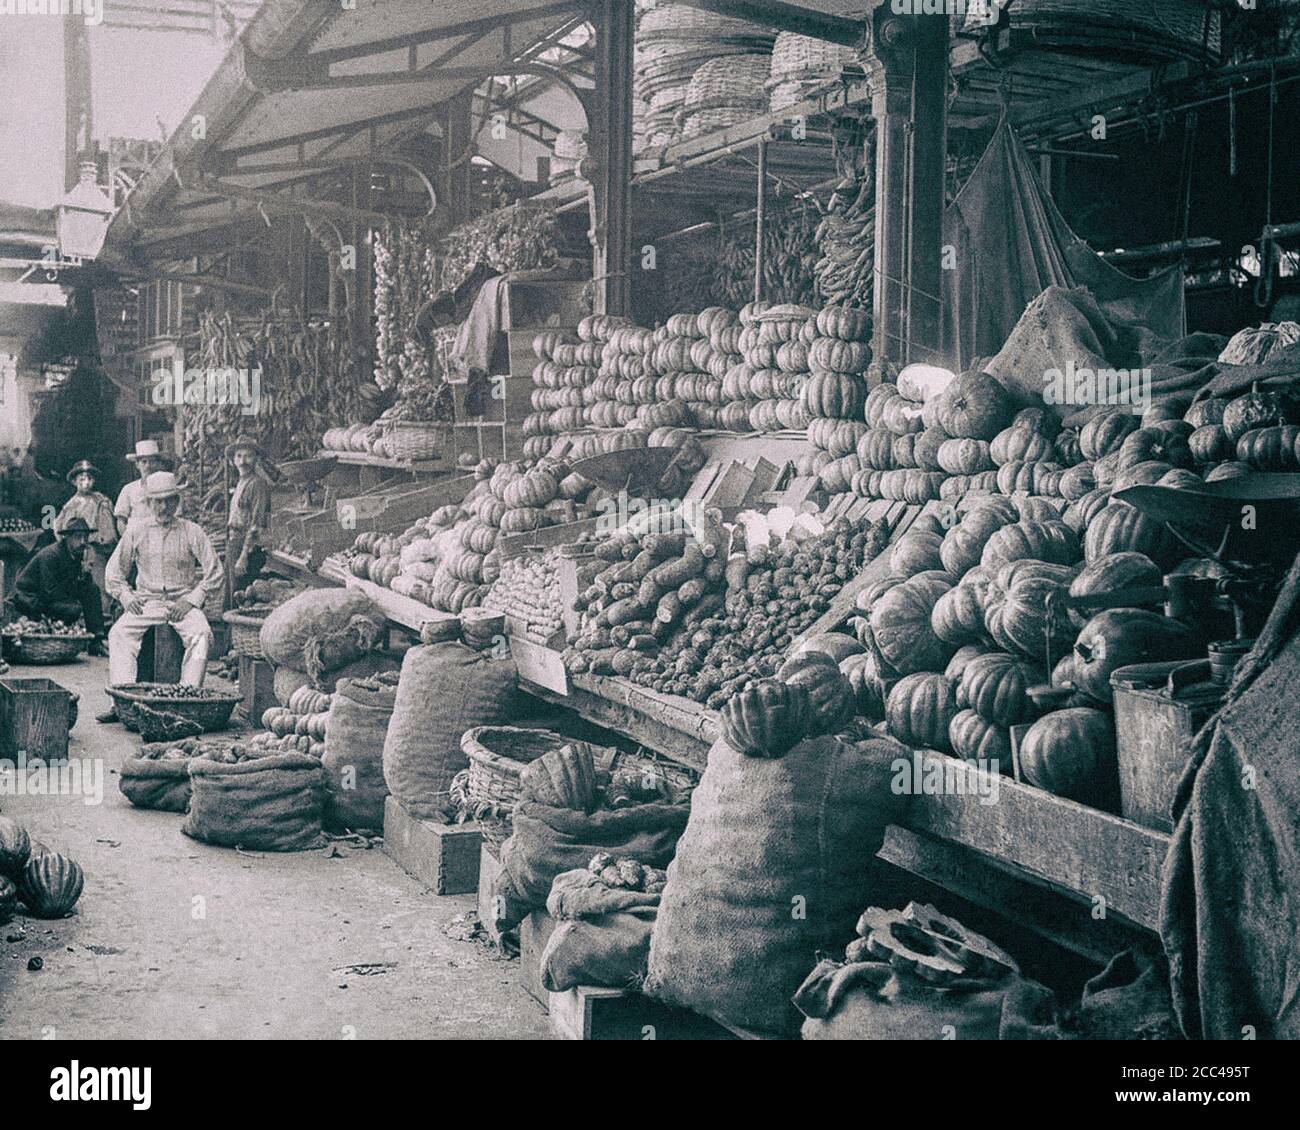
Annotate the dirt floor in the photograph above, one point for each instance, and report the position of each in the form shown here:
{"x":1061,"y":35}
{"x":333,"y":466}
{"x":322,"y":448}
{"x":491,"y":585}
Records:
{"x":175,"y":939}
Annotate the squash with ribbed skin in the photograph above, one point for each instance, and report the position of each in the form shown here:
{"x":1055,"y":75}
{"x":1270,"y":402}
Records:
{"x":1021,"y":445}
{"x":974,"y":738}
{"x":1052,"y":541}
{"x":1146,"y":473}
{"x":1082,"y":511}
{"x":958,"y":616}
{"x":15,"y":847}
{"x":1119,"y":637}
{"x":844,"y":322}
{"x":766,"y":719}
{"x":1113,"y":573}
{"x":50,"y":885}
{"x":901,"y":416}
{"x":915,"y":552}
{"x":1071,"y":753}
{"x":1120,"y":528}
{"x":994,"y":686}
{"x":864,"y":676}
{"x":876,"y":449}
{"x":1254,"y":410}
{"x":1029,"y":618}
{"x":962,"y":658}
{"x":965,"y":456}
{"x":900,"y":624}
{"x":830,"y":694}
{"x":1154,"y":444}
{"x":1077,"y":481}
{"x":1269,"y":449}
{"x":877,"y":398}
{"x":1106,"y":431}
{"x":837,"y":396}
{"x":905,"y":451}
{"x":1230,"y":470}
{"x":963,"y":545}
{"x":1210,"y":444}
{"x":974,"y":406}
{"x":920,"y":709}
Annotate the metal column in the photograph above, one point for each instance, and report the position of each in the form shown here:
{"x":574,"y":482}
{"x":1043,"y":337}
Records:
{"x":610,"y":155}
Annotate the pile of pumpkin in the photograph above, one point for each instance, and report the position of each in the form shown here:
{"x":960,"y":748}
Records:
{"x":43,"y":882}
{"x":360,"y":438}
{"x":774,"y":342}
{"x":682,"y":615}
{"x":301,"y":722}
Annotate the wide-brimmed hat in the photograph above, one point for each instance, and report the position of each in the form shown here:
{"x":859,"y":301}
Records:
{"x":161,"y":484}
{"x":74,"y":526}
{"x":84,"y":466}
{"x":145,"y":449}
{"x":244,"y":443}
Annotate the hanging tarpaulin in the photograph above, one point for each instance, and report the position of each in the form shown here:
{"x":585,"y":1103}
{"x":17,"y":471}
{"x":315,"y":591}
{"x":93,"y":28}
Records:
{"x":1010,"y":243}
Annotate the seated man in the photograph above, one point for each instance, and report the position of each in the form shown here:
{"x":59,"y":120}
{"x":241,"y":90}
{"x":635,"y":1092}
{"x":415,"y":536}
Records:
{"x":176,"y":570}
{"x":56,"y":582}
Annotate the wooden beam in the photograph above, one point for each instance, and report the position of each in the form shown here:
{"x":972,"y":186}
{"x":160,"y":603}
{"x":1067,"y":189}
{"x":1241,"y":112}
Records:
{"x":610,"y":151}
{"x":787,"y":17}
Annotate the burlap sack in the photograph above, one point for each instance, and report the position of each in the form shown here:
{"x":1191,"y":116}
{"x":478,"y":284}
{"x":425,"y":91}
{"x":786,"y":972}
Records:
{"x":873,"y":1001}
{"x":609,"y":950}
{"x":316,"y":612}
{"x":445,"y":689}
{"x":269,"y":804}
{"x":354,"y":757}
{"x":772,"y":868}
{"x":154,"y":783}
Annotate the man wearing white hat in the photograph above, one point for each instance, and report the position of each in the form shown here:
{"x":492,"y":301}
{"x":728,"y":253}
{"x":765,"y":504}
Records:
{"x":131,"y":508}
{"x":176,"y":570}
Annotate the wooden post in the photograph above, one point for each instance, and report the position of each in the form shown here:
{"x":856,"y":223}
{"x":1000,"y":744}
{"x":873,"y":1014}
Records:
{"x":760,"y":221}
{"x":610,"y":155}
{"x":907,"y":66}
{"x":453,"y":186}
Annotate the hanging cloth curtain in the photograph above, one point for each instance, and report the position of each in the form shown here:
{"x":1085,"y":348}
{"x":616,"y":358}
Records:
{"x":1012,"y":243}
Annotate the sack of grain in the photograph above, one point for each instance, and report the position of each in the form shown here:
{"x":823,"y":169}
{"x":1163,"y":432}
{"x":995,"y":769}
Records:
{"x":354,"y":757}
{"x":445,"y":689}
{"x":774,"y":866}
{"x":267,"y":804}
{"x":316,"y":612}
{"x":149,"y":783}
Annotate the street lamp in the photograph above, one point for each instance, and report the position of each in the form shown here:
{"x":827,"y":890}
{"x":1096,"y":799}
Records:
{"x":82,"y":217}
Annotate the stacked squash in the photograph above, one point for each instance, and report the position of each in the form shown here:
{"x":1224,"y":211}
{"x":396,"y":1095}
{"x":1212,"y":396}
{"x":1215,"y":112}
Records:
{"x":835,"y":393}
{"x":774,"y":341}
{"x":302,"y":721}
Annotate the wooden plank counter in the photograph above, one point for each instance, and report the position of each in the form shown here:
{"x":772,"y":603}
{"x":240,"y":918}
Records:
{"x":1011,"y":856}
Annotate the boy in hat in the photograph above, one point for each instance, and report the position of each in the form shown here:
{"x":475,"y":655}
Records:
{"x":56,"y":583}
{"x":176,"y":571}
{"x":250,"y":510}
{"x":96,"y":511}
{"x":131,"y":509}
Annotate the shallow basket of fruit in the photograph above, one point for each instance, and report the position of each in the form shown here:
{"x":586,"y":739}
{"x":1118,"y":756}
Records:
{"x":204,"y":706}
{"x":43,"y":642}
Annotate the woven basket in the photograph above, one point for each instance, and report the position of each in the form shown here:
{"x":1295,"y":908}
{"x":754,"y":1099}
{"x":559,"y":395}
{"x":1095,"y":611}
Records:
{"x":411,"y":439}
{"x":800,"y":56}
{"x":245,"y":634}
{"x":1145,"y":28}
{"x":42,"y":650}
{"x":210,"y":712}
{"x":497,"y":755}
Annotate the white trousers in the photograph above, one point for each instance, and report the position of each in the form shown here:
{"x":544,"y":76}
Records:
{"x":125,"y":637}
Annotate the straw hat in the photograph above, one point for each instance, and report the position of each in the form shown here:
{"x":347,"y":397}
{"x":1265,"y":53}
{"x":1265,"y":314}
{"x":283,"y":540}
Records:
{"x":145,"y":449}
{"x":245,"y":443}
{"x":74,"y":526}
{"x":161,"y":484}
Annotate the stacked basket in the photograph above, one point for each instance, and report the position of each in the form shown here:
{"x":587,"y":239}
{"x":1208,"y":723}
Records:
{"x":802,"y":65}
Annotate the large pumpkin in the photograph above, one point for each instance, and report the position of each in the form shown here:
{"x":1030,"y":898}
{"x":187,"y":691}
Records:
{"x":1114,"y":573}
{"x":1105,"y":432}
{"x":995,"y":686}
{"x":837,"y":396}
{"x":50,"y":885}
{"x":963,"y":545}
{"x":964,"y":456}
{"x":1030,"y":617}
{"x":1210,"y":444}
{"x":1158,"y":444}
{"x":974,"y":406}
{"x":1021,"y":445}
{"x":1254,"y":410}
{"x":830,"y":694}
{"x":876,"y":449}
{"x":919,"y":710}
{"x":863,"y":674}
{"x":1146,"y":473}
{"x":766,"y":719}
{"x":1077,"y":481}
{"x":1072,"y":753}
{"x":926,"y":446}
{"x":900,"y":623}
{"x":977,"y":739}
{"x":1042,"y":541}
{"x":1082,"y":511}
{"x":958,"y":616}
{"x":844,"y":322}
{"x":901,"y":416}
{"x":1120,"y":637}
{"x":915,"y":552}
{"x":15,"y":847}
{"x":1121,"y":528}
{"x":1269,"y":449}
{"x":833,"y":355}
{"x":962,"y":657}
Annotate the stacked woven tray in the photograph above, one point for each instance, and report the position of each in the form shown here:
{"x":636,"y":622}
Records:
{"x":1138,"y":29}
{"x":725,"y":91}
{"x":673,"y":43}
{"x":802,"y":65}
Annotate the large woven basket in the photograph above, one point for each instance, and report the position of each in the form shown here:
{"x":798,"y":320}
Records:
{"x":411,"y":439}
{"x":245,"y":634}
{"x":497,"y":755}
{"x":212,"y":712}
{"x":39,"y":649}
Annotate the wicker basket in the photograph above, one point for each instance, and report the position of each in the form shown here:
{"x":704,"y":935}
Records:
{"x":497,"y":755}
{"x":39,"y":649}
{"x":245,"y":634}
{"x":212,"y":712}
{"x":412,"y":439}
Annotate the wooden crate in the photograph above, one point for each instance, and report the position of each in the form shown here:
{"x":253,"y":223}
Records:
{"x":534,"y":932}
{"x":489,"y":867}
{"x":34,"y":716}
{"x":257,"y":686}
{"x":590,"y":1013}
{"x":443,"y":857}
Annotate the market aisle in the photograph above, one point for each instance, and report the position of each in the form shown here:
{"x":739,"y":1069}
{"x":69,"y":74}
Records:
{"x":176,"y":939}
